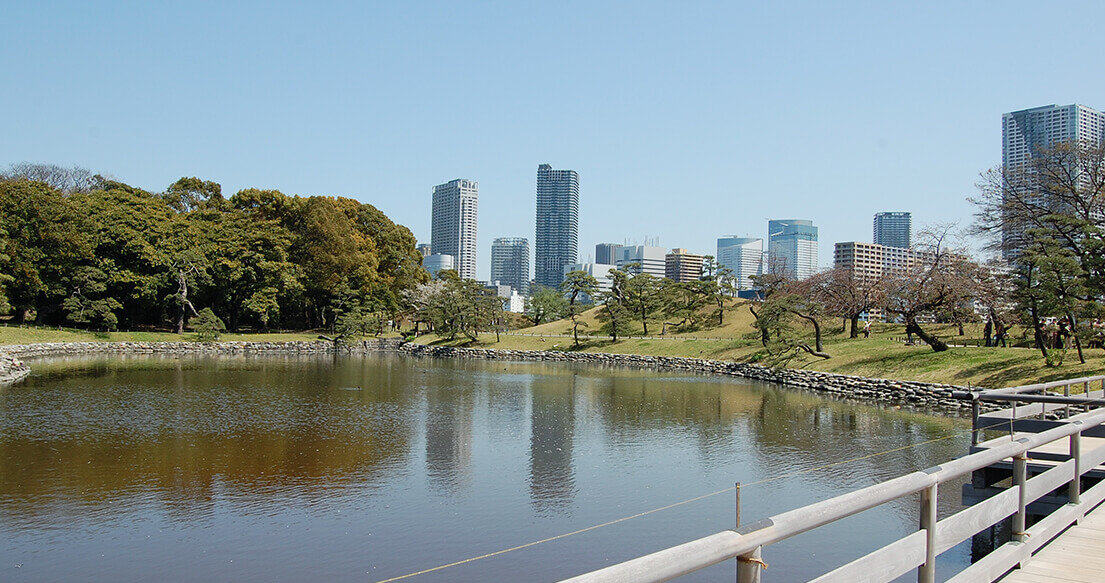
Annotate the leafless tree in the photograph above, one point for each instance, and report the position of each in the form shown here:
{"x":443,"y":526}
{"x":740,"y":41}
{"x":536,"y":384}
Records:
{"x":940,"y":277}
{"x":67,"y":180}
{"x":847,"y":294}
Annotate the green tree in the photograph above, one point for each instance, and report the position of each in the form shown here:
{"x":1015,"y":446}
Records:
{"x":545,"y":305}
{"x":579,"y":287}
{"x":642,"y":293}
{"x":208,"y":326}
{"x":46,"y":242}
{"x":614,"y":313}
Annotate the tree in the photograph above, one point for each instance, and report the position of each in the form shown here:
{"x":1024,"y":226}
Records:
{"x":684,"y":300}
{"x":46,"y":242}
{"x":578,"y":286}
{"x":208,"y":326}
{"x":614,"y":312}
{"x":64,"y":180}
{"x":188,"y":194}
{"x":769,"y":284}
{"x":848,"y":295}
{"x":642,"y":292}
{"x":545,"y":305}
{"x":939,"y":278}
{"x":87,"y":302}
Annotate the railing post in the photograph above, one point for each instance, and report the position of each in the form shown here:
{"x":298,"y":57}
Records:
{"x":926,"y":573}
{"x":749,"y":566}
{"x":1074,"y":494}
{"x":1020,"y":476}
{"x":975,"y":410}
{"x":1066,"y":393}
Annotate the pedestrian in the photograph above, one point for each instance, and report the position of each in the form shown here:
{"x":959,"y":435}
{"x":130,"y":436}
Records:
{"x":867,"y":328}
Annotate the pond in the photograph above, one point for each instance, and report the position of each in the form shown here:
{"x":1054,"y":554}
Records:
{"x":289,"y":468}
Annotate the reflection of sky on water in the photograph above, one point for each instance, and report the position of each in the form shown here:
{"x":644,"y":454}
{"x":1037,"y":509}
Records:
{"x":288,"y":468}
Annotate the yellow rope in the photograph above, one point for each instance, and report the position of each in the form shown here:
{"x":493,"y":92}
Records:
{"x":680,"y":503}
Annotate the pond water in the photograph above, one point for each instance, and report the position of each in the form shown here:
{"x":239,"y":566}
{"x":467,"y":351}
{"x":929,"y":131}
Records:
{"x":362,"y":469}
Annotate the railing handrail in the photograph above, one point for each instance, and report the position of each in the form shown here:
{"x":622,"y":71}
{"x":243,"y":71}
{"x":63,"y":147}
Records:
{"x":1043,"y":386}
{"x":680,"y":560}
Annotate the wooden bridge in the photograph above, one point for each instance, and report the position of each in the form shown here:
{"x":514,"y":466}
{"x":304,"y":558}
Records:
{"x":1052,"y":445}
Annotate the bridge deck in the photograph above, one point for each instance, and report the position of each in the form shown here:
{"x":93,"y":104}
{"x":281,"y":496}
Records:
{"x":1074,"y":556}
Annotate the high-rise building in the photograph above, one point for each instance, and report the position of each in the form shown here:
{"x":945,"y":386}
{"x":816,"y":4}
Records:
{"x":647,"y":259}
{"x":893,"y":229}
{"x":510,"y":263}
{"x":682,"y":265}
{"x":557,"y":240}
{"x":871,"y":261}
{"x":607,"y":253}
{"x":1026,"y":132}
{"x":453,"y":228}
{"x":791,"y":248}
{"x":744,"y":256}
{"x":436,"y":263}
{"x":424,"y":249}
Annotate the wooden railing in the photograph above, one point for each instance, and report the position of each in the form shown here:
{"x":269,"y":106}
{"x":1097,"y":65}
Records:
{"x":919,"y":549}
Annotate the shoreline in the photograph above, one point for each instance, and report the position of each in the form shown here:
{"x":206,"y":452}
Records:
{"x":919,"y":395}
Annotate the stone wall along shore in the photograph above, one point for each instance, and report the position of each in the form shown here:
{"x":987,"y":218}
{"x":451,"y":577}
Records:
{"x":914,"y":394}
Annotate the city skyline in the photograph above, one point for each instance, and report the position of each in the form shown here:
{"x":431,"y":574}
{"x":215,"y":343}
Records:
{"x":663,"y":111}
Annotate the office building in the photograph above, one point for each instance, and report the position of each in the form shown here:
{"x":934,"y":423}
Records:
{"x":599,"y":271}
{"x":557,"y":239}
{"x":682,"y":266}
{"x":510,"y":263}
{"x":453,"y":228}
{"x":436,"y":263}
{"x":607,"y":253}
{"x":513,"y":301}
{"x":744,"y":257}
{"x":893,"y":229}
{"x":423,"y":249}
{"x":643,"y":259}
{"x":871,"y":261}
{"x":791,"y":248}
{"x":1025,"y":132}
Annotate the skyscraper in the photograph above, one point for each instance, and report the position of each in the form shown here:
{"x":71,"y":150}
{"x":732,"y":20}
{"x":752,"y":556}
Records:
{"x":607,"y":253}
{"x":791,"y":248}
{"x":557,"y":240}
{"x":744,"y":256}
{"x":893,"y":230}
{"x":510,"y":263}
{"x":453,"y":225}
{"x":1025,"y":132}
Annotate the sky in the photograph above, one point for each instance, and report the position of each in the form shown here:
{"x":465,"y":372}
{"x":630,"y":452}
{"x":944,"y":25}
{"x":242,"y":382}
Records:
{"x":686,"y":121}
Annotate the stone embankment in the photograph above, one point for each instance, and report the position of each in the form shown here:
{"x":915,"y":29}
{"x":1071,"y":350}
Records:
{"x":914,"y":394}
{"x":13,"y":369}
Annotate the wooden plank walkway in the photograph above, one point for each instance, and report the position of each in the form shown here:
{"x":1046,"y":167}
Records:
{"x":1073,"y":557}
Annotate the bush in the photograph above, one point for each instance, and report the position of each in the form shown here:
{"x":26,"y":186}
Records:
{"x":207,"y":326}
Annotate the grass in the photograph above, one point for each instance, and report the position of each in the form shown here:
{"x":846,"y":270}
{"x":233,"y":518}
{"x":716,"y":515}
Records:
{"x":31,"y":334}
{"x":883,"y":355}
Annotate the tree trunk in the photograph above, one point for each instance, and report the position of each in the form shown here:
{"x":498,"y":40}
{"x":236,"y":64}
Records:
{"x":1038,"y":331}
{"x":936,"y":344}
{"x":1074,"y":335}
{"x":854,"y":332}
{"x":764,"y":336}
{"x":816,"y":335}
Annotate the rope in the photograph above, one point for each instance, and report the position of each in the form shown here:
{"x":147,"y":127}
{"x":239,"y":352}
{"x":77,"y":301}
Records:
{"x":680,"y":503}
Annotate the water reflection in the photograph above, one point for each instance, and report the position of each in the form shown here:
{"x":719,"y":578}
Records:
{"x":314,"y":467}
{"x":552,"y":425}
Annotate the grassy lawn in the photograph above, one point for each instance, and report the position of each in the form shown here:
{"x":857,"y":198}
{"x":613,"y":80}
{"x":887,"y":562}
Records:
{"x":30,"y":335}
{"x":883,"y":355}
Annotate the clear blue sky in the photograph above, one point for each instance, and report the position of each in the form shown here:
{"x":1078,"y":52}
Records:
{"x":686,"y":121}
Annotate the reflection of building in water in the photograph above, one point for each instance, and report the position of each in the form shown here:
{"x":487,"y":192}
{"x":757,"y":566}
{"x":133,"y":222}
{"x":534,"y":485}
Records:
{"x":449,"y":439}
{"x":552,"y":425}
